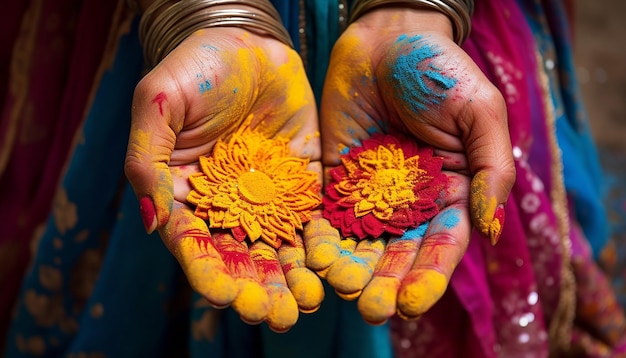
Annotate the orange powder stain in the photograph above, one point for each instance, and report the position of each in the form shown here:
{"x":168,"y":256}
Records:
{"x":252,"y":186}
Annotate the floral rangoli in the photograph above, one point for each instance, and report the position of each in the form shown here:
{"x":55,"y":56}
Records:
{"x":388,"y":184}
{"x":252,"y":186}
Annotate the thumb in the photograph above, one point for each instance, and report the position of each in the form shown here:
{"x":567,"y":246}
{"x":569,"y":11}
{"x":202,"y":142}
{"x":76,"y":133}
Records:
{"x":151,"y":142}
{"x":490,"y":157}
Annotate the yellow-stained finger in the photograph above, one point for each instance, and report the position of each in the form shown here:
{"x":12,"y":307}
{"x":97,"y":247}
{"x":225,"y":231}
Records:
{"x":378,"y":300}
{"x":442,"y":249}
{"x":304,"y":284}
{"x":351,"y":273}
{"x":189,"y":240}
{"x":252,"y":301}
{"x":283,"y":312}
{"x":321,"y":243}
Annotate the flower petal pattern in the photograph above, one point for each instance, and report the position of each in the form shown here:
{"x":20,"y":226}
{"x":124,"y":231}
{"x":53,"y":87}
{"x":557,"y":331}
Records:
{"x":252,"y":186}
{"x":388,"y":184}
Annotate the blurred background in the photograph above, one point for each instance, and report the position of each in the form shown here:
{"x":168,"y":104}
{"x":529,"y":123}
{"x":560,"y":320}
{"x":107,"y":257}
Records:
{"x":600,"y":54}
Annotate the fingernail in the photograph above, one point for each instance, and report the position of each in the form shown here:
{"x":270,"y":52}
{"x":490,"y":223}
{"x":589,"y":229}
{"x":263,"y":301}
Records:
{"x":148,"y":214}
{"x":495,"y":229}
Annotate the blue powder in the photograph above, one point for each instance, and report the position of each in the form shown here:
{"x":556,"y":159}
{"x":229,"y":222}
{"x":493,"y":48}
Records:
{"x":447,"y":220}
{"x":372,"y":130}
{"x":210,"y":47}
{"x":416,"y":233}
{"x":204,"y":87}
{"x":419,"y":83}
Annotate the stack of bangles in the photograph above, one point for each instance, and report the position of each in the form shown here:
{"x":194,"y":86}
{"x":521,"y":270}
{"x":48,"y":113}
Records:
{"x":165,"y":24}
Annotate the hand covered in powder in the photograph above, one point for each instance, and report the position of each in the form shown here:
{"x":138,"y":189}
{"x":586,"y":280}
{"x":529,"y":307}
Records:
{"x":400,"y":72}
{"x":243,"y":105}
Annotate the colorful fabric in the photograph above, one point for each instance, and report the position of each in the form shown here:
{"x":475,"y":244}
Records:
{"x":97,"y":285}
{"x":520,"y":297}
{"x":48,"y":80}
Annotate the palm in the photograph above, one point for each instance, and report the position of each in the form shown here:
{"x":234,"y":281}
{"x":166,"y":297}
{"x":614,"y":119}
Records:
{"x":219,"y":82}
{"x":425,"y":86}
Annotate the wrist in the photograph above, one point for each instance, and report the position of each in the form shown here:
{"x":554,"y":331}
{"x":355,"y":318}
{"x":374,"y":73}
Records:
{"x":457,"y":11}
{"x":165,"y":24}
{"x":396,"y":20}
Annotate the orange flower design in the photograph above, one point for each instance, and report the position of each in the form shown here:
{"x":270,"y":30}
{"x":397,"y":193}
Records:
{"x":252,"y":186}
{"x":386,"y":185}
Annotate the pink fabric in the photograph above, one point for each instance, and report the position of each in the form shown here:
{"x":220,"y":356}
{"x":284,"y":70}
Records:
{"x":503,"y":297}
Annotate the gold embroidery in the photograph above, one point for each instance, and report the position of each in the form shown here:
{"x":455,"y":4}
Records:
{"x":97,"y":310}
{"x":50,"y":278}
{"x":560,"y":329}
{"x":33,"y":345}
{"x":64,"y":211}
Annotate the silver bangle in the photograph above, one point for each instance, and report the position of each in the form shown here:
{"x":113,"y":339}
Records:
{"x":160,"y":34}
{"x":459,"y":12}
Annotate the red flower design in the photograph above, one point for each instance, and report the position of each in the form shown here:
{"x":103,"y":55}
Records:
{"x":388,"y":184}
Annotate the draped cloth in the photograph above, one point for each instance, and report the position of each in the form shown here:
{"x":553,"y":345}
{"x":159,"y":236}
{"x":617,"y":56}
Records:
{"x":82,"y":278}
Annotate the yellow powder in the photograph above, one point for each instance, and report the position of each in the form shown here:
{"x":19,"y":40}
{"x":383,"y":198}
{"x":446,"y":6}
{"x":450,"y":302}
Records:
{"x":484,"y":208}
{"x":306,"y":288}
{"x":420,"y":290}
{"x":351,"y":273}
{"x":350,"y":47}
{"x":378,"y":300}
{"x":284,"y":309}
{"x":252,"y":302}
{"x":206,"y":273}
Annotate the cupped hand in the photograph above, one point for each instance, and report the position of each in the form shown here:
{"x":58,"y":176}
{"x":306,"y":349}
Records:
{"x":398,"y":71}
{"x":215,"y":87}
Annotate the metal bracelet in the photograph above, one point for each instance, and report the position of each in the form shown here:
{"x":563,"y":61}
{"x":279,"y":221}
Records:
{"x":161,"y":33}
{"x":459,"y":12}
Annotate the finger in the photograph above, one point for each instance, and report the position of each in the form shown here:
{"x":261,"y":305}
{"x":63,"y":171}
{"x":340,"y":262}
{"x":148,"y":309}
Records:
{"x":283,"y":311}
{"x":490,"y":159}
{"x":304,"y":284}
{"x":155,"y":122}
{"x":440,"y":252}
{"x":189,"y":240}
{"x":321,"y":242}
{"x":252,"y":301}
{"x":378,"y":300}
{"x":351,"y":273}
{"x":453,"y":161}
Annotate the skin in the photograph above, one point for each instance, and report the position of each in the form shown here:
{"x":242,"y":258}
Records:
{"x":399,"y":69}
{"x":216,"y":81}
{"x":218,"y":77}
